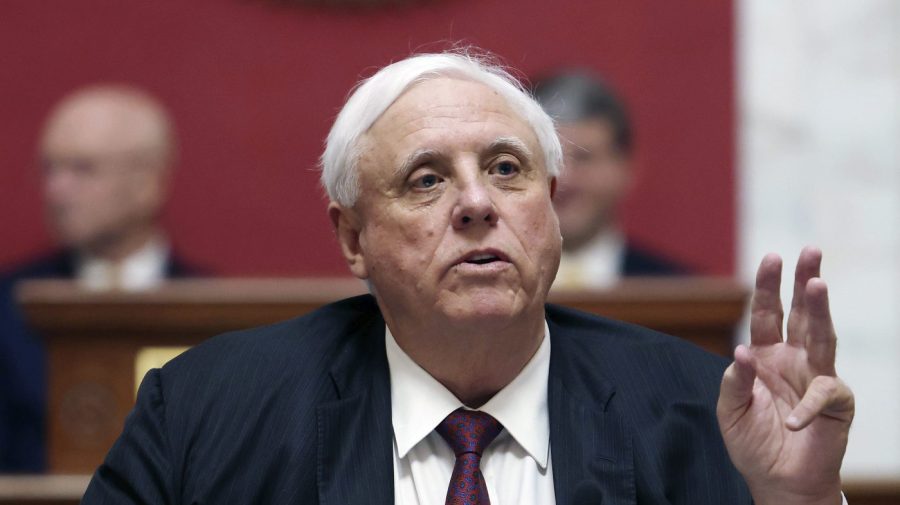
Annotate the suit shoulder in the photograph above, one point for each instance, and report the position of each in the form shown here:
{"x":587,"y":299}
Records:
{"x":299,"y":340}
{"x":268,"y":375}
{"x":639,"y":261}
{"x":57,"y":264}
{"x":178,"y":267}
{"x":628,"y":348}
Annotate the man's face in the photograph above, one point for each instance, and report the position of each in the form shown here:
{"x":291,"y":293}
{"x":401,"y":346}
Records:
{"x":100,"y":176}
{"x":455,"y":217}
{"x":596,"y":178}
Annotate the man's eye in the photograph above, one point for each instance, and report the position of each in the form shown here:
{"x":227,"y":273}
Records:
{"x":426,"y":181}
{"x":506,"y":168}
{"x":75,"y":166}
{"x":83,"y":167}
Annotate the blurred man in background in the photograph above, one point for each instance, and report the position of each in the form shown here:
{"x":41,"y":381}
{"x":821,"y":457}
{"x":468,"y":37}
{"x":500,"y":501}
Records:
{"x":597,"y":141}
{"x":106,"y":154}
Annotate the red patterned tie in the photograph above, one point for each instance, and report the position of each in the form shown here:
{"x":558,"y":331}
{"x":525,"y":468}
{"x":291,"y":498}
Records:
{"x":468,"y":432}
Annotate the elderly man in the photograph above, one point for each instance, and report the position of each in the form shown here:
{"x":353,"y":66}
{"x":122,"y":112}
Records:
{"x":106,"y":153}
{"x":597,"y":139}
{"x":454,"y":382}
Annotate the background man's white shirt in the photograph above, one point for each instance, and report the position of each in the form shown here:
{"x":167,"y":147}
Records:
{"x":597,"y":265}
{"x":143,"y":269}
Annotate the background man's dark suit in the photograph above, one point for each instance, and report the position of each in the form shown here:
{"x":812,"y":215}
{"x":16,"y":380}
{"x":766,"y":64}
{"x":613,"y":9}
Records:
{"x":300,"y":412}
{"x":637,"y":261}
{"x":22,"y":368}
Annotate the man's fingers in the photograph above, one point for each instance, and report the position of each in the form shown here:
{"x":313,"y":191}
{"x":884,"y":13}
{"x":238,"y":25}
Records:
{"x":808,"y":266}
{"x":821,"y":340}
{"x":827,"y":396}
{"x":766,"y":312}
{"x":737,"y":385}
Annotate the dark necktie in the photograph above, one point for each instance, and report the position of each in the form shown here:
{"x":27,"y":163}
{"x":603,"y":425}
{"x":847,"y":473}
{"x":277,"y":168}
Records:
{"x":468,"y":432}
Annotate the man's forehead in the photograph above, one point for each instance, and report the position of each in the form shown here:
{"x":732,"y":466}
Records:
{"x":439,"y":110}
{"x":427,"y":98}
{"x":95,"y":125}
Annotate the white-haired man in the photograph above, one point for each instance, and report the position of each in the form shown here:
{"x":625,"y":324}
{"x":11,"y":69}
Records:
{"x":454,"y":382}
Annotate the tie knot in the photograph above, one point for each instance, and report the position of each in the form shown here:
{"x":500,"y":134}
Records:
{"x":469,"y":431}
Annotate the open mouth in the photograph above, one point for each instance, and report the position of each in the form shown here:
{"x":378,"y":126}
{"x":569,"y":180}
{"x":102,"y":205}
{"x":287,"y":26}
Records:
{"x":483,"y":259}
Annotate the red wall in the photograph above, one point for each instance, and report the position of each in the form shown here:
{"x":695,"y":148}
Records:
{"x":254,"y":86}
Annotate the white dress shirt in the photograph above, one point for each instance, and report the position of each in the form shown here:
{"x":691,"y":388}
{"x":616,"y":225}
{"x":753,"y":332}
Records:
{"x":143,"y":269}
{"x":516,"y":466}
{"x":596,"y":265}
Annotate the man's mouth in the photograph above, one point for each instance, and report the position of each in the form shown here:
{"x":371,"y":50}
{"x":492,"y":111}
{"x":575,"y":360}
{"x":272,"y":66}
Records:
{"x":483,"y":259}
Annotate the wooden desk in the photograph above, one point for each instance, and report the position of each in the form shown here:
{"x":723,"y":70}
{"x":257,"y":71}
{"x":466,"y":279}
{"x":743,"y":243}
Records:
{"x":42,"y":489}
{"x":872,"y":491}
{"x":93,"y":338}
{"x":68,"y":489}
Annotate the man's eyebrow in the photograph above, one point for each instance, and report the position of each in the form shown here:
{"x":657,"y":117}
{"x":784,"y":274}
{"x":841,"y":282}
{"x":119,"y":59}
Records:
{"x":514,"y":144}
{"x":500,"y":144}
{"x":415,"y":159}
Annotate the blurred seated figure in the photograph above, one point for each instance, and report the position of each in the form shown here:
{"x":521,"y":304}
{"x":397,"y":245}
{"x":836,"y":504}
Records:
{"x":106,"y":155}
{"x":597,"y":142}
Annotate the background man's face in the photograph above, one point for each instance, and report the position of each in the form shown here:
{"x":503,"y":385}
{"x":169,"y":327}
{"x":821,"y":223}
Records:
{"x":456,"y":217}
{"x":596,"y":178}
{"x":102,"y":174}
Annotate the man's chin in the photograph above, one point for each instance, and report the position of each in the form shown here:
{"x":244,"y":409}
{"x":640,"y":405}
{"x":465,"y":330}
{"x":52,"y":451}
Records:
{"x":484,"y":306}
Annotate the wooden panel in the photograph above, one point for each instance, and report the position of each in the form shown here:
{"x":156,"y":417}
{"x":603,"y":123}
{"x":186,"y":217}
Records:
{"x":68,"y":489}
{"x":42,"y":489}
{"x":93,"y":338}
{"x":872,"y":492}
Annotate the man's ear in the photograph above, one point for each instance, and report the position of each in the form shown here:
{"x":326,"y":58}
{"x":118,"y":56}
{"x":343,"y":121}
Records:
{"x":347,"y":226}
{"x":553,"y":187}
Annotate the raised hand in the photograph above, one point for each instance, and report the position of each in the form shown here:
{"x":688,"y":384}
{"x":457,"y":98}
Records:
{"x":783,"y":412}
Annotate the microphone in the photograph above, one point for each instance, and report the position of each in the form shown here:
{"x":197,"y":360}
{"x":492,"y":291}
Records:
{"x":588,"y":492}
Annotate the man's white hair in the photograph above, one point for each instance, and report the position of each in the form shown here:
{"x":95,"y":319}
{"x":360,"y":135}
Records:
{"x":374,"y":95}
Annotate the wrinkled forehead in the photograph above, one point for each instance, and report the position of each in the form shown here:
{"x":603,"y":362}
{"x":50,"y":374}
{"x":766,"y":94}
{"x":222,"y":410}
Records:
{"x":426,"y":95}
{"x":449,"y":111}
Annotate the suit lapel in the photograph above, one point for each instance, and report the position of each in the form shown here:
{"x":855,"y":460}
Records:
{"x":590,"y":445}
{"x":589,"y":440}
{"x":355,"y":437}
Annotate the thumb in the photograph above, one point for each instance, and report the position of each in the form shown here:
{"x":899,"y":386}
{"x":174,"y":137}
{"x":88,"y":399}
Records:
{"x":737,"y":387}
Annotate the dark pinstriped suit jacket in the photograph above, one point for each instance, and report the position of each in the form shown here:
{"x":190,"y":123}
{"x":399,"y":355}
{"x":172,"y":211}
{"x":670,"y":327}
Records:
{"x":300,"y":412}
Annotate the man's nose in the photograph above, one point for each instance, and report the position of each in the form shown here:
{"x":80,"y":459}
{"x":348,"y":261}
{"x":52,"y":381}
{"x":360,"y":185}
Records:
{"x":475,"y":207}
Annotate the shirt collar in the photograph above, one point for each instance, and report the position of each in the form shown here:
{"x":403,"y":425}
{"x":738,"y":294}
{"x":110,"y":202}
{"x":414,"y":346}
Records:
{"x":610,"y":241}
{"x":596,"y":264}
{"x":142,"y":269}
{"x":419,"y":402}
